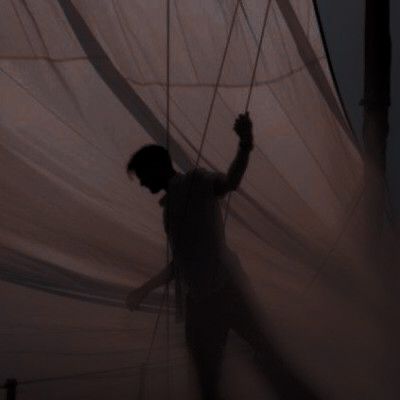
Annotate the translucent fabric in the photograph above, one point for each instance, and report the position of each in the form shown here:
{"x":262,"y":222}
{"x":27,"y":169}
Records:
{"x":84,"y":85}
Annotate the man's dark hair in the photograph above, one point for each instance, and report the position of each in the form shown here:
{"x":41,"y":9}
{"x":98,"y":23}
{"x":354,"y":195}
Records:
{"x":149,"y":157}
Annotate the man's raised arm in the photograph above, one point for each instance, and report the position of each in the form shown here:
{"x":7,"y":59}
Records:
{"x":231,"y":181}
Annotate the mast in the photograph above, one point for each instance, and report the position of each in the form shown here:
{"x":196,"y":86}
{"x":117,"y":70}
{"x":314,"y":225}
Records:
{"x":377,"y":81}
{"x":376,"y":111}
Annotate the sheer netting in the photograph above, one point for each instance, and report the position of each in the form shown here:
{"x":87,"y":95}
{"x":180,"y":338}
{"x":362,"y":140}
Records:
{"x":84,"y":84}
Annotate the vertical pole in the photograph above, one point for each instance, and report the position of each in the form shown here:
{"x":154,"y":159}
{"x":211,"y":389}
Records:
{"x":377,"y":81}
{"x":11,"y":388}
{"x":168,"y":69}
{"x":376,"y":112}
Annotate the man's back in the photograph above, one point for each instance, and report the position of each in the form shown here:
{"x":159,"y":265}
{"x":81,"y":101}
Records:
{"x":194,"y":225}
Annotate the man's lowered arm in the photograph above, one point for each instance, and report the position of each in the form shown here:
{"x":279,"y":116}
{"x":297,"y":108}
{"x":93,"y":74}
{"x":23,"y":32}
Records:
{"x":136,"y":296}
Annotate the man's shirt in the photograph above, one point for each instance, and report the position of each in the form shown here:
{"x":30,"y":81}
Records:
{"x":194,"y":225}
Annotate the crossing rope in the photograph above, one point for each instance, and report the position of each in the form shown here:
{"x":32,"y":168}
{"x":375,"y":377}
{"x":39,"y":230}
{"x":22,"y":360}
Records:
{"x":253,"y":77}
{"x":142,"y":393}
{"x":142,"y":386}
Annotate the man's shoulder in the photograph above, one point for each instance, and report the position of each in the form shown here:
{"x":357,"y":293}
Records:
{"x":202,"y":173}
{"x":203,"y":179}
{"x":194,"y":175}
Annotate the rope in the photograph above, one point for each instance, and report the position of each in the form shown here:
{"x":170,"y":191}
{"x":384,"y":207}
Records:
{"x":165,"y":299}
{"x":91,"y":374}
{"x":142,"y":382}
{"x":168,"y":355}
{"x":211,"y":107}
{"x":253,"y":77}
{"x":168,"y":118}
{"x":352,"y":209}
{"x":221,"y":67}
{"x":204,"y":135}
{"x":178,"y":289}
{"x":168,"y":62}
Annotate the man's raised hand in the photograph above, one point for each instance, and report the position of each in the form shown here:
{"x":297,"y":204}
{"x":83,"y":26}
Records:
{"x":244,"y":129}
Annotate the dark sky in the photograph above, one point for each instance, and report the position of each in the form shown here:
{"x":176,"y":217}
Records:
{"x":343,"y":23}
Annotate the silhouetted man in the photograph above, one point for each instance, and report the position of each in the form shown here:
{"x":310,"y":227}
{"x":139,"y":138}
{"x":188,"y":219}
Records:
{"x":217,"y":295}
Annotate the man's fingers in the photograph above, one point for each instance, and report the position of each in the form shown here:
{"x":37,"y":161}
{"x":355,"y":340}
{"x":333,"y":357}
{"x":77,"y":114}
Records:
{"x":243,"y":124}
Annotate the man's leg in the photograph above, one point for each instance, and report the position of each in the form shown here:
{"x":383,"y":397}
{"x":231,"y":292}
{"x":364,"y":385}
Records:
{"x":206,"y":335}
{"x":244,"y":321}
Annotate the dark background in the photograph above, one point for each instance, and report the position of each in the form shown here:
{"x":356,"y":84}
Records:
{"x":343,"y":25}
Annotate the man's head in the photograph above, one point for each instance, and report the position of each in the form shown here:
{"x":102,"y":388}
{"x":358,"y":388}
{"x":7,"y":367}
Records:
{"x":153,"y":167}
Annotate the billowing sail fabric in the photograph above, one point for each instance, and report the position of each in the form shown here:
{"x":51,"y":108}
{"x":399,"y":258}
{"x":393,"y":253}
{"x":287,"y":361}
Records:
{"x":84,"y":84}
